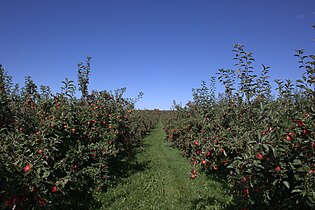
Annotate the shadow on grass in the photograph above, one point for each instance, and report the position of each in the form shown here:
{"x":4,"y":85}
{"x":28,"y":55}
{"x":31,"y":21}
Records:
{"x":125,"y":165}
{"x":203,"y":203}
{"x":120,"y":169}
{"x":79,"y":200}
{"x":108,"y":201}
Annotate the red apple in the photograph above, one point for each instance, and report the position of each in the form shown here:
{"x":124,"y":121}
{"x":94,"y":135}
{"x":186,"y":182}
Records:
{"x":278,"y":168}
{"x":244,"y":180}
{"x":27,"y":168}
{"x":54,"y":189}
{"x":259,"y":156}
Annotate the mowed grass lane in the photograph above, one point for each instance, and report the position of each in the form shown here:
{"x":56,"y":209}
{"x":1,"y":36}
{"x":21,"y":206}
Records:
{"x":159,"y":178}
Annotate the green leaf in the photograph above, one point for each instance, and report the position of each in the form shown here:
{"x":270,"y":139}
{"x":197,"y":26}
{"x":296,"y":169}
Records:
{"x":38,"y":170}
{"x":302,"y":169}
{"x":301,"y":86}
{"x":296,"y":191}
{"x":273,"y":151}
{"x":297,"y":177}
{"x":297,"y":162}
{"x":275,"y":182}
{"x":286,"y":184}
{"x":265,"y":146}
{"x":46,"y":174}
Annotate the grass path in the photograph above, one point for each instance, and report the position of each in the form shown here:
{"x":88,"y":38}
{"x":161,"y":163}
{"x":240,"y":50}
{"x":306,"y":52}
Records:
{"x":159,"y":178}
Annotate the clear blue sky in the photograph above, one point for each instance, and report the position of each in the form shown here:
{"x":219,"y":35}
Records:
{"x":161,"y":47}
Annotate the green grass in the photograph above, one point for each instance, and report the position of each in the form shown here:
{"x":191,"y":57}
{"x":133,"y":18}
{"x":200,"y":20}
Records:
{"x":159,"y":178}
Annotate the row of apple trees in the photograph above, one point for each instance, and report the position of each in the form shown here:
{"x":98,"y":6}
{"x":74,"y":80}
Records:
{"x":264,"y":145}
{"x":55,"y":149}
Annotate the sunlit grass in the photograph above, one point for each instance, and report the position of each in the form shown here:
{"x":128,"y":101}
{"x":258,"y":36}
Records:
{"x":159,"y":178}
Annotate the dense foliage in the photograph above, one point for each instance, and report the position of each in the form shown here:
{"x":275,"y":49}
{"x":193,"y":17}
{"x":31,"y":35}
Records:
{"x":263,"y":145}
{"x":55,"y":149}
